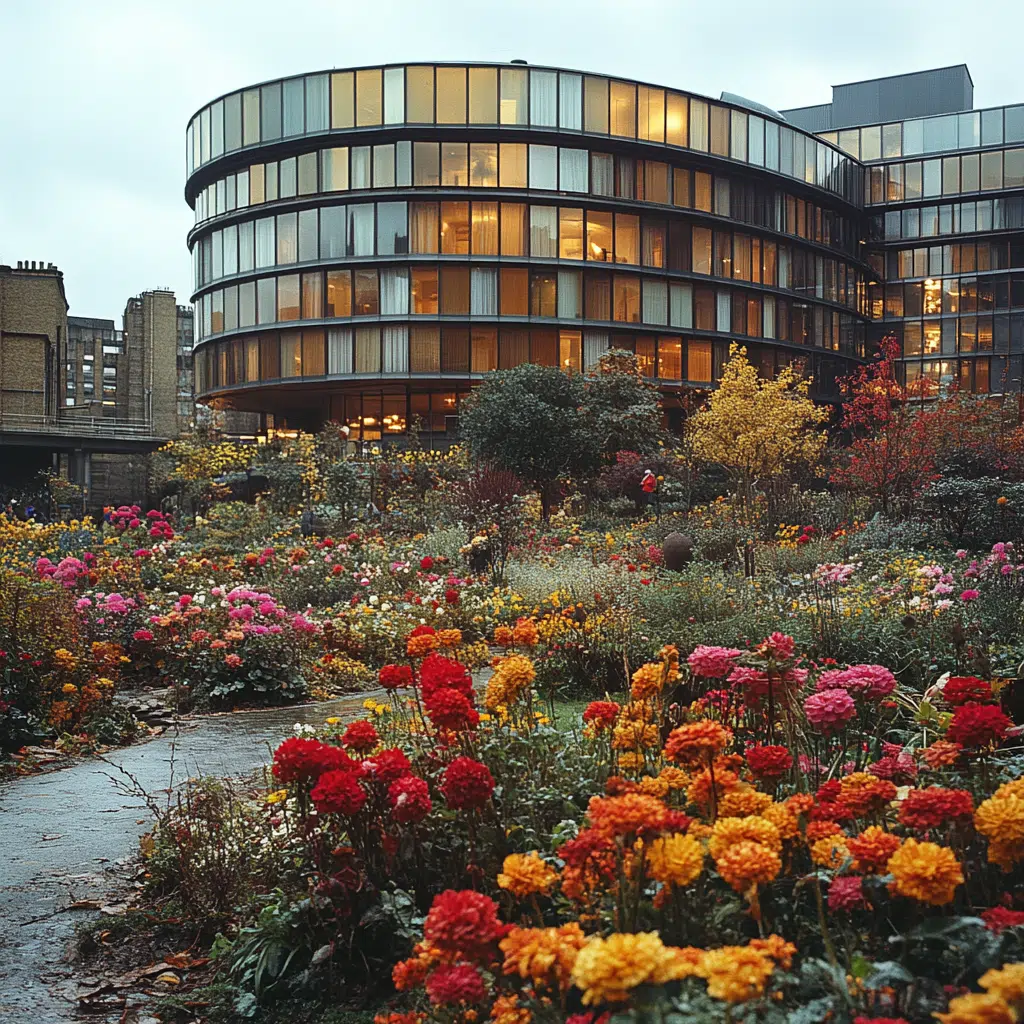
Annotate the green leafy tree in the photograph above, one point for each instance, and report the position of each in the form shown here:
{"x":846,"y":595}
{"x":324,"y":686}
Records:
{"x":622,"y":408}
{"x":530,"y":421}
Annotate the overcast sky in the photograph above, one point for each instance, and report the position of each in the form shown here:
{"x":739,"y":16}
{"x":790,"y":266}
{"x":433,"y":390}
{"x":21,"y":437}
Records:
{"x":96,"y":95}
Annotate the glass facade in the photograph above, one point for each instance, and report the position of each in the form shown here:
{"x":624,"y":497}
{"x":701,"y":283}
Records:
{"x":351,"y":264}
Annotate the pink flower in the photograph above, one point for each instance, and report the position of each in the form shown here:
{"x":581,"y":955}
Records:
{"x":873,"y":682}
{"x":829,"y":709}
{"x":845,"y":893}
{"x":232,"y":660}
{"x":712,"y":662}
{"x":970,"y":595}
{"x":778,"y":646}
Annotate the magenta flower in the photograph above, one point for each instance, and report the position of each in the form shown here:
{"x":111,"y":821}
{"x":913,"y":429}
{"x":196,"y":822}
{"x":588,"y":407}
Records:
{"x":873,"y":682}
{"x":845,"y":893}
{"x":970,"y":595}
{"x":829,"y":709}
{"x":712,"y":662}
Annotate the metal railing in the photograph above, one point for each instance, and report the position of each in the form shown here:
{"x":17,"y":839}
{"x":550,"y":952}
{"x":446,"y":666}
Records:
{"x":75,"y":426}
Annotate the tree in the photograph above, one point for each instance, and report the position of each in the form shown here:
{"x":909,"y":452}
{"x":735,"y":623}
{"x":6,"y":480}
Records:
{"x":757,"y":429}
{"x":891,"y":456}
{"x":529,"y":420}
{"x":622,"y":407}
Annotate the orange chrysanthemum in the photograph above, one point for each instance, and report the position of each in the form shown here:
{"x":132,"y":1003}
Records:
{"x":775,"y":946}
{"x":820,"y":829}
{"x":830,"y":852}
{"x":420,"y":646}
{"x":697,"y":742}
{"x":743,"y":801}
{"x":627,"y":814}
{"x":872,"y":849}
{"x":782,"y":818}
{"x":736,"y":974}
{"x":699,"y":790}
{"x":503,"y":636}
{"x":976,"y":1008}
{"x":746,"y":864}
{"x":925,"y":872}
{"x":865,"y":793}
{"x":525,"y":874}
{"x":941,"y":754}
{"x":727,"y":832}
{"x":675,"y":860}
{"x":544,"y":956}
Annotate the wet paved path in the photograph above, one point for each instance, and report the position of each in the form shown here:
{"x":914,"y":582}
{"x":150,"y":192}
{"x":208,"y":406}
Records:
{"x":59,"y":831}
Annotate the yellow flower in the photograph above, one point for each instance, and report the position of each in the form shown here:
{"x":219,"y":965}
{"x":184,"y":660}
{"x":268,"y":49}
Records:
{"x":728,"y":831}
{"x":925,"y":871}
{"x":654,"y":786}
{"x":978,"y":1009}
{"x":276,"y":797}
{"x":506,"y":1010}
{"x":69,"y":688}
{"x":1007,"y":982}
{"x":449,"y":637}
{"x":675,"y":859}
{"x":512,"y":677}
{"x":743,"y":801}
{"x":607,"y":970}
{"x":332,"y":720}
{"x":544,"y":955}
{"x":524,"y":874}
{"x":736,"y":973}
{"x":647,"y":681}
{"x":1001,"y":819}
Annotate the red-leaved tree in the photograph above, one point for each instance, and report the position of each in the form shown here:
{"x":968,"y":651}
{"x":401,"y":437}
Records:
{"x":891,"y":456}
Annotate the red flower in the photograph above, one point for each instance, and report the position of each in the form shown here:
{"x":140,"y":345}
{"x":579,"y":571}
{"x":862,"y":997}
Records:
{"x":338,"y":792}
{"x":360,"y":736}
{"x":845,"y":893}
{"x":464,"y":923}
{"x":142,"y":634}
{"x":961,"y":689}
{"x":769,"y":762}
{"x":303,"y":760}
{"x":467,"y":784}
{"x":388,"y":765}
{"x":426,"y":563}
{"x":410,"y":799}
{"x":602,"y":713}
{"x":449,"y":709}
{"x":924,"y":809}
{"x":978,"y":725}
{"x":451,"y":596}
{"x":459,"y":984}
{"x":394,"y":677}
{"x":998,"y":919}
{"x":423,"y":631}
{"x":440,"y":673}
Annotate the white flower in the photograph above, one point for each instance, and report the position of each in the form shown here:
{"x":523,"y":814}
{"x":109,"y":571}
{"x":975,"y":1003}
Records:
{"x":386,"y":606}
{"x":374,"y":599}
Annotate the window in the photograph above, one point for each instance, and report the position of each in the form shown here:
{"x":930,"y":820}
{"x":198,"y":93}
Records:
{"x":287,"y":238}
{"x":423,"y":290}
{"x":512,"y":106}
{"x":570,"y":233}
{"x":339,"y":293}
{"x":570,"y":350}
{"x":570,"y":101}
{"x":655,"y":308}
{"x":266,"y":300}
{"x":544,"y":167}
{"x":513,"y":348}
{"x":291,"y":354}
{"x":512,"y":166}
{"x":651,"y":114}
{"x":367,"y":302}
{"x":483,"y":297}
{"x":483,"y":95}
{"x":570,"y":298}
{"x":425,"y":350}
{"x":719,"y":130}
{"x":454,"y":350}
{"x":394,"y":291}
{"x":483,"y":350}
{"x":543,"y":96}
{"x":333,"y":172}
{"x":698,"y":361}
{"x":573,"y":170}
{"x":454,"y":164}
{"x":626,"y":300}
{"x":247,"y":304}
{"x":384,"y":166}
{"x":270,"y":112}
{"x":419,"y":95}
{"x":332,"y":232}
{"x":514,"y":291}
{"x":426,"y":164}
{"x":544,"y":231}
{"x":343,"y":100}
{"x":424,"y":228}
{"x":483,"y":164}
{"x":288,"y":297}
{"x":623,"y":109}
{"x":485,"y":229}
{"x":367,"y":354}
{"x":392,"y":229}
{"x":455,"y":228}
{"x":312,"y":296}
{"x":360,"y":230}
{"x":368,"y":97}
{"x":265,"y":248}
{"x":595,"y":105}
{"x":599,"y":236}
{"x":543,"y":294}
{"x":602,"y":174}
{"x":394,"y":95}
{"x":451,"y":95}
{"x":513,"y":229}
{"x":627,"y":238}
{"x":454,"y":291}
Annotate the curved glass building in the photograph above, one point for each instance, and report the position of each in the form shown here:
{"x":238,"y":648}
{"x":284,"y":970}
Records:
{"x":370,"y":242}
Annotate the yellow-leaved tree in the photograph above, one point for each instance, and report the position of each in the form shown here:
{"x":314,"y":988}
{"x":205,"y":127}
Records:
{"x":758,"y":429}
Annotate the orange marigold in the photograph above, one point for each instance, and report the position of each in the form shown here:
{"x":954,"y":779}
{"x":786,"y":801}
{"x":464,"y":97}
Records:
{"x":872,"y":849}
{"x":742,"y":801}
{"x":941,"y":754}
{"x":727,"y":832}
{"x":863,"y":792}
{"x":978,"y":1009}
{"x":675,"y":777}
{"x":697,"y":741}
{"x":782,"y":818}
{"x":830,"y":852}
{"x":658,"y":787}
{"x":925,"y":872}
{"x":503,"y":636}
{"x":525,"y":633}
{"x":420,"y":646}
{"x":820,"y":829}
{"x":449,"y":637}
{"x":506,"y":1010}
{"x":524,"y":874}
{"x":736,"y":973}
{"x":608,"y":969}
{"x":699,"y":791}
{"x":675,"y":860}
{"x":544,"y":956}
{"x":1007,"y":982}
{"x":747,"y":864}
{"x":775,"y":946}
{"x":800,"y":803}
{"x":626,"y":814}
{"x":647,"y":681}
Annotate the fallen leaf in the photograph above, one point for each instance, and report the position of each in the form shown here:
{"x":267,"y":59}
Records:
{"x":84,"y":905}
{"x":168,"y":978}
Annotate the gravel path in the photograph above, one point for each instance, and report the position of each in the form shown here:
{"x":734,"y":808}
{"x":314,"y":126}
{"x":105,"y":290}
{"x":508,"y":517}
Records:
{"x":60,"y":834}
